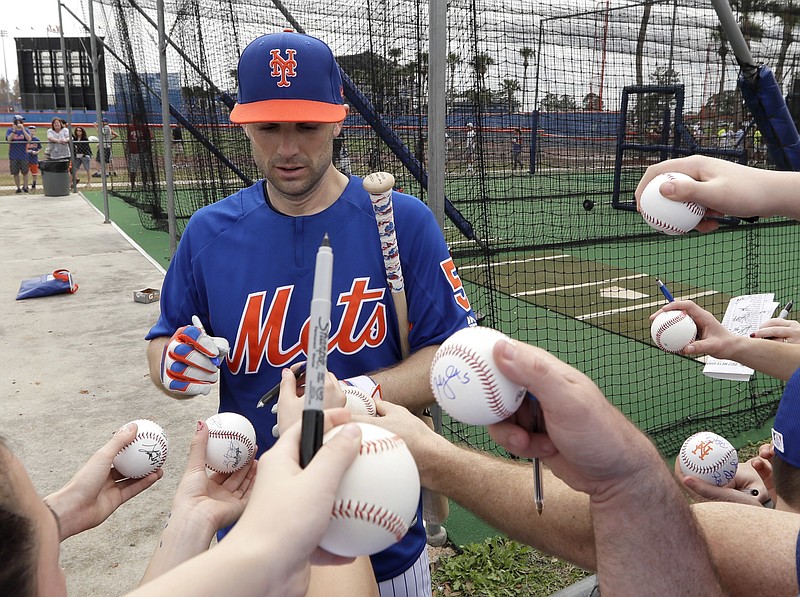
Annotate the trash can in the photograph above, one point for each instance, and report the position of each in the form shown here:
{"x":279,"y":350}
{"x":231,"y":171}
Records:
{"x":55,"y":177}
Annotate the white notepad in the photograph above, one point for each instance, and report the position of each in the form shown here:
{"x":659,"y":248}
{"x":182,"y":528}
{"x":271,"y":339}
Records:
{"x":744,"y":315}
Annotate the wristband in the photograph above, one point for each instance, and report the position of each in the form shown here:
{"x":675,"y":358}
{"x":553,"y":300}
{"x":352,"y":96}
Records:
{"x":366,"y":384}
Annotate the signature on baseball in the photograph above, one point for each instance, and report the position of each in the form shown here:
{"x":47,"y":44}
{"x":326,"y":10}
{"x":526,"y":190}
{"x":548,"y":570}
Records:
{"x":152,"y":452}
{"x":442,"y":382}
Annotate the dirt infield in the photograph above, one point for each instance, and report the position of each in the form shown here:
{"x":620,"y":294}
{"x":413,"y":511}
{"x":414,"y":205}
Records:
{"x":74,"y":370}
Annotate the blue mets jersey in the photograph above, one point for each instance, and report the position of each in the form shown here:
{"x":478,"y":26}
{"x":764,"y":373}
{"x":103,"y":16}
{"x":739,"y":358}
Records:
{"x":247,"y":271}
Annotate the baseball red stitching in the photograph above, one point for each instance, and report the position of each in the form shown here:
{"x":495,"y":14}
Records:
{"x":660,"y":224}
{"x":241,"y":438}
{"x":668,"y":324}
{"x":484,"y":374}
{"x":372,"y":514}
{"x":375,"y":446}
{"x":369,"y":404}
{"x":695,"y":468}
{"x":149,"y":435}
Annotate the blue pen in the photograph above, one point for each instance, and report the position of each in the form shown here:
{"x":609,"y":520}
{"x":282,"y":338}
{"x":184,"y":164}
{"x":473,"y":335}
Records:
{"x":665,"y":291}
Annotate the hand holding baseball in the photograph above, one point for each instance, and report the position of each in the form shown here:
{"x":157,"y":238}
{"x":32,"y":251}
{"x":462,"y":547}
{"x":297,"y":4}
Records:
{"x":305,"y":497}
{"x":191,"y":359}
{"x":712,"y":337}
{"x":673,"y":331}
{"x":665,"y":215}
{"x":588,"y":441}
{"x":97,"y":489}
{"x":724,"y":188}
{"x":216,"y":499}
{"x":741,"y":491}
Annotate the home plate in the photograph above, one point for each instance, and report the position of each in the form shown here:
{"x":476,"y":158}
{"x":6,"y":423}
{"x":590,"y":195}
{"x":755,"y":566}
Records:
{"x":617,"y":292}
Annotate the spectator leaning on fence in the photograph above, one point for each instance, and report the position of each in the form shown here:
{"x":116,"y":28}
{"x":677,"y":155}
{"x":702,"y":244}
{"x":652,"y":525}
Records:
{"x":18,"y":137}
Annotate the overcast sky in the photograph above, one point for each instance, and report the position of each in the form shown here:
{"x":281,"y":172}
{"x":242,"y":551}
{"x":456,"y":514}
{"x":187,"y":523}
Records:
{"x":33,"y":18}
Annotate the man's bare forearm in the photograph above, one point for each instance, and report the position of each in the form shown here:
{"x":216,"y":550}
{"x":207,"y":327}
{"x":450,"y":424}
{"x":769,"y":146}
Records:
{"x":407,"y":383}
{"x":501,"y":493}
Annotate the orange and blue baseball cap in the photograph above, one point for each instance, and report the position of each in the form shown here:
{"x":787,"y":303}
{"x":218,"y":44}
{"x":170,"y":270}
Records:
{"x":288,"y":77}
{"x":786,"y":428}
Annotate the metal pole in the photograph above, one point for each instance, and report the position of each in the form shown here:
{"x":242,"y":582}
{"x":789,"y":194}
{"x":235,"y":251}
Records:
{"x":67,"y":100}
{"x":738,"y":43}
{"x":162,"y":51}
{"x":3,"y":36}
{"x":437,"y":113}
{"x":101,"y":149}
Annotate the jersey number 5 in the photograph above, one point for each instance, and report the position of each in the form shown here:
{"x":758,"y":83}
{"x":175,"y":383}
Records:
{"x":449,"y":269}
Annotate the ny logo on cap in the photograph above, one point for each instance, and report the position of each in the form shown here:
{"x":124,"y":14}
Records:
{"x":283,"y":67}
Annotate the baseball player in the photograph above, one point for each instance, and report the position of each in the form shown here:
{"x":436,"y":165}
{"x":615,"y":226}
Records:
{"x":245,"y":268}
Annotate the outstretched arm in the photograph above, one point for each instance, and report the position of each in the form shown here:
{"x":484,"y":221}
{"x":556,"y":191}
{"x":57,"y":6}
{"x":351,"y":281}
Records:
{"x":593,"y":448}
{"x":271,"y":555}
{"x":97,"y":489}
{"x":203,"y":504}
{"x":726,"y":188}
{"x":498,"y":490}
{"x":777,"y":359}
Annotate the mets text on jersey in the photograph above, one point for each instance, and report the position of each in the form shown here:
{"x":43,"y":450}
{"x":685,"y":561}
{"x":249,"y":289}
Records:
{"x":260,"y":339}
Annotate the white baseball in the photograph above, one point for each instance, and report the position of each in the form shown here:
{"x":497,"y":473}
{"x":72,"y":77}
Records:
{"x":231,"y":442}
{"x":378,"y":497}
{"x":466,"y":382}
{"x":359,"y":402}
{"x":669,"y":217}
{"x":146,"y":453}
{"x":709,"y":457}
{"x":673,"y":330}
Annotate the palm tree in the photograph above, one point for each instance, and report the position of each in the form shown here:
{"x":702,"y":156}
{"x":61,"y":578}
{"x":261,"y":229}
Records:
{"x":527,"y":54}
{"x":481,"y":63}
{"x":394,"y":54}
{"x":510,"y":87}
{"x":453,"y":60}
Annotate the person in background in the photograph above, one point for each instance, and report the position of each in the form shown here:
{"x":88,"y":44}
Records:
{"x":109,"y":135}
{"x":470,"y":149}
{"x":516,"y":151}
{"x":139,"y":139}
{"x":33,"y":148}
{"x":83,"y":157}
{"x":58,"y":139}
{"x":17,"y":137}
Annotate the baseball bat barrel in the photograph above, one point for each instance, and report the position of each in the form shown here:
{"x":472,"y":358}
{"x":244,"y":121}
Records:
{"x":380,"y":185}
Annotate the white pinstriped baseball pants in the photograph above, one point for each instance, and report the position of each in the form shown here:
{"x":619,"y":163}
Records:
{"x":414,"y":582}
